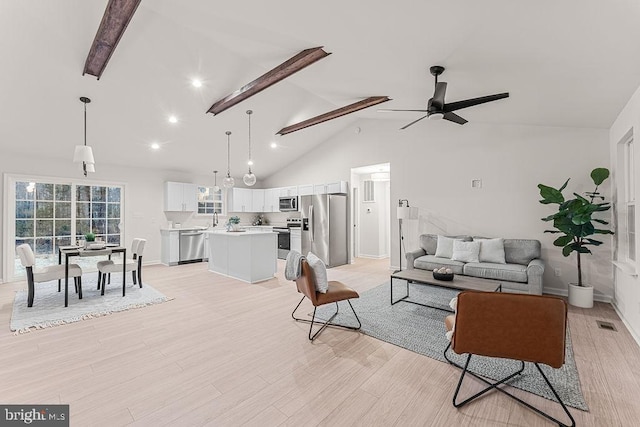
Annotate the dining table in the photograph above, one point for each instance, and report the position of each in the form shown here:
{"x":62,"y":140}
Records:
{"x":71,"y":251}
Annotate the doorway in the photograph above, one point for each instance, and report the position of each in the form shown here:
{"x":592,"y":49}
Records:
{"x":371,"y":211}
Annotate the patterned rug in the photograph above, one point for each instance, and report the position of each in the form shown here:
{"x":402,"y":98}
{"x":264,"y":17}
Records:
{"x":421,"y":330}
{"x":48,"y":306}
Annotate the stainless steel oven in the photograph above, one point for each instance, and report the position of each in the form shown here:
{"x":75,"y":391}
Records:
{"x":284,"y":241}
{"x":288,"y":204}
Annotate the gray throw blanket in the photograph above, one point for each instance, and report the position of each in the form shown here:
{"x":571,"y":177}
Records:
{"x":293,"y":269}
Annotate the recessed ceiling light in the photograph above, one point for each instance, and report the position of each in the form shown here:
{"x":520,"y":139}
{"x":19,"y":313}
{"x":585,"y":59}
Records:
{"x":155,"y":146}
{"x":173,"y":119}
{"x":196,"y":83}
{"x":274,"y":145}
{"x":250,"y":162}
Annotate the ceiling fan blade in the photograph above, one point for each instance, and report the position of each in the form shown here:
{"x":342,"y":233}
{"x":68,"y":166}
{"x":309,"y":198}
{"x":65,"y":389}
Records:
{"x":438,"y":95}
{"x":413,"y":122}
{"x":453,"y":117}
{"x":387,"y":110}
{"x":474,"y":101}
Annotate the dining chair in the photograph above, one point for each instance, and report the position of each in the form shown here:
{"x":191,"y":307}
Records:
{"x":45,"y":274}
{"x":133,"y":264}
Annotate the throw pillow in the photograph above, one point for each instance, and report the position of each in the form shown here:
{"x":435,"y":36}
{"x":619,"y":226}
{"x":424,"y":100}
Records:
{"x":465,"y":251}
{"x":491,"y":250}
{"x":319,"y":271}
{"x":444,"y":248}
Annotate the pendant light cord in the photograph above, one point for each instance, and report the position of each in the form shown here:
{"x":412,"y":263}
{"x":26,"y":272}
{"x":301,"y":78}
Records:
{"x":249,"y":112}
{"x":228,"y":156}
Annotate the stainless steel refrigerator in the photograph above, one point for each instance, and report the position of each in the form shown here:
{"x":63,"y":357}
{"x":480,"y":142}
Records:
{"x":324,"y":227}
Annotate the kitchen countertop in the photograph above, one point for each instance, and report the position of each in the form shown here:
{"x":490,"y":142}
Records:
{"x":195,"y":228}
{"x":239,"y":233}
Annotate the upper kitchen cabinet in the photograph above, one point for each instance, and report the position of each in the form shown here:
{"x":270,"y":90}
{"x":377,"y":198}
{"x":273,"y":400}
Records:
{"x":180,"y":196}
{"x":339,"y":187}
{"x":288,"y":191}
{"x":257,"y":200}
{"x":272,"y":200}
{"x":305,"y":190}
{"x":240,"y":200}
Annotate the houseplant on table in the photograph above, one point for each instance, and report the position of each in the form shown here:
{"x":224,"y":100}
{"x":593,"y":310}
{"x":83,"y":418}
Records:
{"x":574,"y":220}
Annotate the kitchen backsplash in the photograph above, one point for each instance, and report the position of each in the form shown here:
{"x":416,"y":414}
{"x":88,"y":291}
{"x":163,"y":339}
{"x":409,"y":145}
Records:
{"x":186,"y":219}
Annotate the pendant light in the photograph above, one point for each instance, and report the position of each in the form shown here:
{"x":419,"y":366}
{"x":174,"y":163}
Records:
{"x":228,"y":181}
{"x":249,"y":178}
{"x":215,"y":182}
{"x":82,"y":153}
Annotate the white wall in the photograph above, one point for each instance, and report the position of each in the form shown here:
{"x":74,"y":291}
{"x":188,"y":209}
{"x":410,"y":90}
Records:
{"x":627,"y":287}
{"x":144,"y":195}
{"x":433,"y":163}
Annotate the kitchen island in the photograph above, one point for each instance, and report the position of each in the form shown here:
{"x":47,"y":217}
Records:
{"x":250,"y":256}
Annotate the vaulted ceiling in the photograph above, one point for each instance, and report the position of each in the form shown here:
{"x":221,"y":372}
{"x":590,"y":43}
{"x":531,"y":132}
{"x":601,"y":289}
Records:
{"x":571,"y":63}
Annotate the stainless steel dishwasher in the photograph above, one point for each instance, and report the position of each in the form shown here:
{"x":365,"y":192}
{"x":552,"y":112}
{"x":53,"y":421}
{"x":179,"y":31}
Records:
{"x":191,"y":246}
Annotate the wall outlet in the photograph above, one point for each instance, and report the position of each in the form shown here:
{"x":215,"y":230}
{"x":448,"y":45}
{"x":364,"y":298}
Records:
{"x":557,"y":272}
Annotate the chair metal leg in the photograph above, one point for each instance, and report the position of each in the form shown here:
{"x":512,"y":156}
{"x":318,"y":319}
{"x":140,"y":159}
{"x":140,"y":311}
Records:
{"x":79,"y":287}
{"x":133,"y":274}
{"x":139,"y":276}
{"x":31,"y":293}
{"x":99,"y":278}
{"x":494,"y":386}
{"x":324,"y":324}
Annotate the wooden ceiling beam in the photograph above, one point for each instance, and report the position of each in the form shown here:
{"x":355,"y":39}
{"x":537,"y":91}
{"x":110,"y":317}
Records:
{"x":282,"y":71}
{"x":348,"y":109}
{"x":114,"y":22}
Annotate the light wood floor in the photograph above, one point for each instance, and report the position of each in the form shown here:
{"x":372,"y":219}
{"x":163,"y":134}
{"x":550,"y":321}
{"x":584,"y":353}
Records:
{"x":228,"y":353}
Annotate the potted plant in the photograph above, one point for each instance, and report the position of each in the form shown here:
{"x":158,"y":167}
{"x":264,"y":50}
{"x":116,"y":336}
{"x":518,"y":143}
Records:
{"x":233,"y":223}
{"x":574,"y":220}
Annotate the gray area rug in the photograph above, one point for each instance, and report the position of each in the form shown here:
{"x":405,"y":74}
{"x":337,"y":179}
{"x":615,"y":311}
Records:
{"x":48,"y":306}
{"x":421,"y":329}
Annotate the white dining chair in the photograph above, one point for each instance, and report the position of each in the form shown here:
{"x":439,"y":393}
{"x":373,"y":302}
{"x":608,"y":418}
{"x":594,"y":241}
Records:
{"x":133,"y":264}
{"x":45,"y":274}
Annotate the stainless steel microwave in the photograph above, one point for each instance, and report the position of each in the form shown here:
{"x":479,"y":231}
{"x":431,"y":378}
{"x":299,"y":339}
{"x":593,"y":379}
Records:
{"x":288,"y":204}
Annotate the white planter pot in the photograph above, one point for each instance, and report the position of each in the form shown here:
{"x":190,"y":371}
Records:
{"x":581,"y":296}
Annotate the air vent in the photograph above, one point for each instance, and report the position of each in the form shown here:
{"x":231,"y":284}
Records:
{"x":369,"y":193}
{"x":606,"y":325}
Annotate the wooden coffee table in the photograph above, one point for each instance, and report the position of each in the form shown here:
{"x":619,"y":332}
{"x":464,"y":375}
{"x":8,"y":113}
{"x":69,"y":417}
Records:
{"x":459,"y":282}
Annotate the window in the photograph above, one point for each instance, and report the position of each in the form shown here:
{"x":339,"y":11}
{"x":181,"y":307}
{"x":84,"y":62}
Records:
{"x":209,"y":201}
{"x":626,"y":214}
{"x":47,"y":215}
{"x":368,"y":193}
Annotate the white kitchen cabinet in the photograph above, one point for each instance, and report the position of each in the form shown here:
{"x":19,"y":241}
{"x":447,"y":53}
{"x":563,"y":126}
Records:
{"x":240,"y":200}
{"x":319,"y":188}
{"x":288,"y":191}
{"x":180,"y":196}
{"x":257,"y":200}
{"x":305,"y":190}
{"x":272,"y":200}
{"x":339,"y":187}
{"x":169,"y":247}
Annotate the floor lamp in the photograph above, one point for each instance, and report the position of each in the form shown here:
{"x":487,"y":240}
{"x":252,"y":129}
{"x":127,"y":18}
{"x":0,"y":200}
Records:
{"x":404,"y":212}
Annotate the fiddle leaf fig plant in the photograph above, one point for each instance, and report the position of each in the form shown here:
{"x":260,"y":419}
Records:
{"x":574,"y":219}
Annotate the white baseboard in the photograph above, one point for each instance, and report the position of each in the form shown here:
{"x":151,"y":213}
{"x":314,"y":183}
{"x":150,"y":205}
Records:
{"x":626,"y":324}
{"x":373,"y":256}
{"x":565,"y":293}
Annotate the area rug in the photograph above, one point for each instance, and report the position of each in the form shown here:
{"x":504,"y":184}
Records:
{"x":421,"y":330}
{"x":48,"y":306}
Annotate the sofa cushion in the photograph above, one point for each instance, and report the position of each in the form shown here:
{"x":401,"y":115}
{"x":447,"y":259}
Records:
{"x":487,"y":270}
{"x":431,"y":262}
{"x":521,"y":251}
{"x":429,"y":242}
{"x":465,"y":251}
{"x":491,"y":250}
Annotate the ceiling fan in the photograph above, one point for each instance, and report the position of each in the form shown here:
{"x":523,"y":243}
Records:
{"x":438,"y":109}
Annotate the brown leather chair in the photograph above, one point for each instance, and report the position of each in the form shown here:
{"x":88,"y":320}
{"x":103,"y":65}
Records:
{"x":338,"y":291}
{"x":528,"y":328}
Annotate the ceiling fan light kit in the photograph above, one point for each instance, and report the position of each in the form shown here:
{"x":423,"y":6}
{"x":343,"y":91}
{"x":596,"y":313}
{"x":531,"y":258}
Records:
{"x":437,"y":109}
